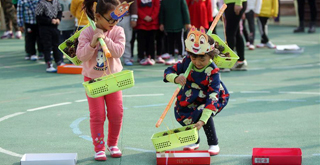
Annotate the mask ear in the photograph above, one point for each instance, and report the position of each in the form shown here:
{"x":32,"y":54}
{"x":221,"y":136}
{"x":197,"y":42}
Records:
{"x":202,"y":30}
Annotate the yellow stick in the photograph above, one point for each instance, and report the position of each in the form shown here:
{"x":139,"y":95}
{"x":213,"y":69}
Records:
{"x":216,"y":19}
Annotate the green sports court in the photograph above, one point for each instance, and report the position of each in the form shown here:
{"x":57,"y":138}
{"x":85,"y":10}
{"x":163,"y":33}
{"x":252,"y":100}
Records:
{"x":276,"y":103}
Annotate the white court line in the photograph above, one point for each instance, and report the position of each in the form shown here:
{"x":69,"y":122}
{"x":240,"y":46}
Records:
{"x":301,"y":93}
{"x":293,"y":67}
{"x":152,"y":105}
{"x":78,"y":101}
{"x":289,"y":100}
{"x":49,"y":106}
{"x":10,"y":153}
{"x":315,"y":154}
{"x":139,"y":149}
{"x":254,"y":91}
{"x":12,"y":115}
{"x":141,"y":95}
{"x":55,"y":94}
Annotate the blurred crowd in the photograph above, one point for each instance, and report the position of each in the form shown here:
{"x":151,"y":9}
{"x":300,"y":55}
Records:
{"x":159,"y":27}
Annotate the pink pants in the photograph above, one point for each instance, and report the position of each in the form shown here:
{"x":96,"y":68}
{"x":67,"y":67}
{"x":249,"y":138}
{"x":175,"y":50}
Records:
{"x":98,"y":116}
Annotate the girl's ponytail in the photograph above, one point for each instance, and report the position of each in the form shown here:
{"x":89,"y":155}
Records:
{"x":88,"y":7}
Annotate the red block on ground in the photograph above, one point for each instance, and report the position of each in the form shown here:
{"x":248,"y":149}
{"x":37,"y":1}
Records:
{"x":183,"y":158}
{"x":276,"y":156}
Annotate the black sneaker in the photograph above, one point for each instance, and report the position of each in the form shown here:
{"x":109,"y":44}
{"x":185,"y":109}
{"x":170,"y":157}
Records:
{"x":312,"y":29}
{"x":299,"y":30}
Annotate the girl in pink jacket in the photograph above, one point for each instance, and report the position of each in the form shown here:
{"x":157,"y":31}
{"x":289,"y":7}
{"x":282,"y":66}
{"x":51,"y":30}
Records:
{"x":90,"y":53}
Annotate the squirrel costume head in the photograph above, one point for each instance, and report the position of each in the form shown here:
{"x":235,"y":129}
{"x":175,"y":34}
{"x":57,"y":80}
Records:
{"x":197,"y":42}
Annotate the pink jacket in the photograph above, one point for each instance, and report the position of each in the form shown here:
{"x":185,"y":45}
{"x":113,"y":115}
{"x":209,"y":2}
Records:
{"x":93,"y":59}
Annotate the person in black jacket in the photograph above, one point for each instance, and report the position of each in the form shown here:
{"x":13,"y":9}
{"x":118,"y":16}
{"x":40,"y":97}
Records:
{"x":48,"y":15}
{"x":313,"y":16}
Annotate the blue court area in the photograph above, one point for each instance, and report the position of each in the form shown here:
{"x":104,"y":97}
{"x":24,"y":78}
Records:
{"x":275,"y":103}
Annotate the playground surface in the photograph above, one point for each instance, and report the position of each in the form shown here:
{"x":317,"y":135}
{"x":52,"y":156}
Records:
{"x":276,"y":103}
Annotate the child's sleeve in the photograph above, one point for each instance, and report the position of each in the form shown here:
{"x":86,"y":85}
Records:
{"x":141,"y":13}
{"x":257,"y":6}
{"x":40,"y":17}
{"x":84,"y":51}
{"x":20,"y":14}
{"x":73,"y":7}
{"x":161,"y":12}
{"x":209,"y":11}
{"x":116,"y":45}
{"x":156,"y":10}
{"x":172,"y":72}
{"x":213,"y":91}
{"x":185,"y":12}
{"x":239,"y":2}
{"x":275,"y":8}
{"x":59,"y":16}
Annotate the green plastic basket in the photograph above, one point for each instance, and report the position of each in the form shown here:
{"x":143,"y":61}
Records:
{"x":109,"y":84}
{"x":224,"y":62}
{"x":63,"y":45}
{"x":184,"y":137}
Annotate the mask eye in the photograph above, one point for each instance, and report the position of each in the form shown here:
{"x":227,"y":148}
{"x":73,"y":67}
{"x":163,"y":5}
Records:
{"x":192,"y":37}
{"x":202,"y":40}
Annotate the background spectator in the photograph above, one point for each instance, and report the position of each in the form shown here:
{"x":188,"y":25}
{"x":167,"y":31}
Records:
{"x":174,"y":19}
{"x":313,"y":16}
{"x":10,"y":16}
{"x":269,"y":8}
{"x":27,"y":17}
{"x":129,"y":21}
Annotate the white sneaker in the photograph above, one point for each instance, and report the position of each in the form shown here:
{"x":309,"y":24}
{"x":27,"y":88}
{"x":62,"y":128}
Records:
{"x":191,"y":147}
{"x":214,"y":150}
{"x":176,"y":51}
{"x":271,"y":45}
{"x":27,"y":57}
{"x":171,"y":61}
{"x":224,"y":70}
{"x":247,"y":44}
{"x":100,"y":156}
{"x":51,"y":69}
{"x":251,"y":47}
{"x":151,"y":62}
{"x":127,"y":62}
{"x":34,"y":58}
{"x":115,"y":151}
{"x":159,"y":60}
{"x":261,"y":45}
{"x":7,"y":34}
{"x":18,"y":35}
{"x":240,"y":66}
{"x":165,"y":56}
{"x":180,"y":58}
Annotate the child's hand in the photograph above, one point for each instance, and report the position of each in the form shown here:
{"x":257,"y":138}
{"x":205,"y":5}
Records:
{"x":57,"y":21}
{"x":98,"y":33}
{"x":199,"y":124}
{"x":180,"y":80}
{"x":54,"y":21}
{"x":148,"y":18}
{"x":237,"y":9}
{"x":187,"y":26}
{"x":161,"y":27}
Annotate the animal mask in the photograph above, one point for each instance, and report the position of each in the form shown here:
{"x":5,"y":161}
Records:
{"x":197,"y":41}
{"x":121,"y":10}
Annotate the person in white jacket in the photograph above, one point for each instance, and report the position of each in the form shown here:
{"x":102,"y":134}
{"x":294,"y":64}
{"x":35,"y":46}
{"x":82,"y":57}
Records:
{"x":252,"y":11}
